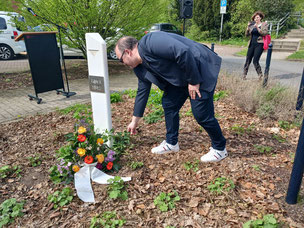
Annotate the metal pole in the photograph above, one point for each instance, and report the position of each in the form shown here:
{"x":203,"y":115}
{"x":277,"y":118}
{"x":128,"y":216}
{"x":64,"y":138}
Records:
{"x":301,"y":94}
{"x":212,"y":46}
{"x":222,"y":19}
{"x":268,"y":59}
{"x":278,"y":28}
{"x":297,"y":171}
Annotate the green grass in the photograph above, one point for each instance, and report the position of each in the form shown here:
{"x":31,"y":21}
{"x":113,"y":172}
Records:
{"x":298,"y":55}
{"x":232,"y":41}
{"x":242,"y":52}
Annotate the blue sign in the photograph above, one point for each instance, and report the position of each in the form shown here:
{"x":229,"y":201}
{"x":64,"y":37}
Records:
{"x":223,"y":3}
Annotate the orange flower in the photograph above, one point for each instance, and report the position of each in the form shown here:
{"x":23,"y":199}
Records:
{"x":75,"y":168}
{"x":100,"y":141}
{"x":81,"y":138}
{"x":100,"y":158}
{"x":88,"y":159}
{"x":82,"y":130}
{"x":109,"y":165}
{"x":81,"y":152}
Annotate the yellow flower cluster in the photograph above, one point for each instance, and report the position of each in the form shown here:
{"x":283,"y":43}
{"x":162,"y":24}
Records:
{"x":100,"y":141}
{"x":82,"y":130}
{"x":81,"y":152}
{"x":100,"y":158}
{"x":76,"y":168}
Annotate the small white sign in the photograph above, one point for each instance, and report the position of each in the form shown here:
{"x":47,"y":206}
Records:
{"x":223,"y":9}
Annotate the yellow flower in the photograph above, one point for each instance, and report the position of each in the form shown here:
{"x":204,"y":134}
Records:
{"x":100,"y":158}
{"x":82,"y":130}
{"x":100,"y":141}
{"x":75,"y":168}
{"x":81,"y":152}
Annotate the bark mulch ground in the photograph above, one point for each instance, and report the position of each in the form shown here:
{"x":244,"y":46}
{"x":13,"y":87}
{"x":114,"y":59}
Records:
{"x":260,"y":178}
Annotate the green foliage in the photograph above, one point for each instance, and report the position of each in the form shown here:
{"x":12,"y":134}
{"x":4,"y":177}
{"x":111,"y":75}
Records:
{"x":108,"y":219}
{"x":188,"y":113}
{"x":220,"y":185}
{"x":117,"y":189}
{"x":239,"y":130}
{"x":35,"y":160}
{"x":166,"y":201}
{"x":256,"y":167}
{"x":155,"y":97}
{"x":263,"y":149}
{"x":108,"y":18}
{"x":285,"y":125}
{"x":243,"y":52}
{"x":9,"y":210}
{"x":80,"y":111}
{"x":135,"y":165}
{"x":268,"y":221}
{"x":279,"y":138}
{"x":61,"y":173}
{"x":220,"y":95}
{"x":9,"y":171}
{"x":192,"y":165}
{"x":121,"y":140}
{"x":154,"y":116}
{"x":116,"y":97}
{"x":298,"y":55}
{"x":131,"y":93}
{"x":61,"y":198}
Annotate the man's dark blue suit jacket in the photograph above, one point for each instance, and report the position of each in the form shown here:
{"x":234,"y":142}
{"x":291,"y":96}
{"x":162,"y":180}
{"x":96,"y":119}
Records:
{"x":169,"y":58}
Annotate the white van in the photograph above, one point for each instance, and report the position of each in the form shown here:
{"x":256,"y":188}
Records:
{"x":8,"y":32}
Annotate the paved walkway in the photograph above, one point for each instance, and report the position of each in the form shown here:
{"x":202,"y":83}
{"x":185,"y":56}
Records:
{"x":15,"y":104}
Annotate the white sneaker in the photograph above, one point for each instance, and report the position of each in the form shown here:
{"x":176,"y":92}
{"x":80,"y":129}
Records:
{"x":214,"y":155}
{"x":164,"y":148}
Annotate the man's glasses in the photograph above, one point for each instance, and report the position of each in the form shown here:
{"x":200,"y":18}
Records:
{"x":121,"y":57}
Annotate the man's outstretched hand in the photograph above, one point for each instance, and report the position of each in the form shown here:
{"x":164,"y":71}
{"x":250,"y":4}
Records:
{"x":193,"y":90}
{"x":133,"y":125}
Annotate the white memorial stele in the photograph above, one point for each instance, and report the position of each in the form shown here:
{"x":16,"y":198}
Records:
{"x":101,"y":107}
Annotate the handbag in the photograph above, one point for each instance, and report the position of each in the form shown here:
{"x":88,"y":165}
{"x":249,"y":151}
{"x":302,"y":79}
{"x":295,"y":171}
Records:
{"x":266,"y":40}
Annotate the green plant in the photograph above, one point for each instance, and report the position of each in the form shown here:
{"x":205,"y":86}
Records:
{"x":285,"y":125}
{"x":238,"y":129}
{"x":135,"y":165}
{"x":220,"y":185}
{"x":192,"y":165}
{"x":243,"y":52}
{"x":279,"y":138}
{"x":9,"y":171}
{"x":62,"y":172}
{"x":131,"y":93}
{"x":155,"y":97}
{"x":116,"y":188}
{"x":263,"y":149}
{"x":108,"y":219}
{"x":116,"y":97}
{"x":188,"y":113}
{"x":219,"y":95}
{"x":268,"y":221}
{"x":154,"y":116}
{"x":35,"y":160}
{"x":166,"y":201}
{"x":79,"y":111}
{"x":9,"y":210}
{"x":256,"y":167}
{"x":61,"y":198}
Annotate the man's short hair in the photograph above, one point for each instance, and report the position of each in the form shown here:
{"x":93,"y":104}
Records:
{"x":126,"y":42}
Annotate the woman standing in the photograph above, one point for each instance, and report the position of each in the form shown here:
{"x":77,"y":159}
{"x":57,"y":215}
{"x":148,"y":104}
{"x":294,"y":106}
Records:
{"x":256,"y":29}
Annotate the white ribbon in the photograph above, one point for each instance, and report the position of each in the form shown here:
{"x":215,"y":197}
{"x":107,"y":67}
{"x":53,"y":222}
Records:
{"x":82,"y":181}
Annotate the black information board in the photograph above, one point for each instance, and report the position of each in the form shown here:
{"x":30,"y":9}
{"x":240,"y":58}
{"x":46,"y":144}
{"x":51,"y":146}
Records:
{"x":44,"y":60}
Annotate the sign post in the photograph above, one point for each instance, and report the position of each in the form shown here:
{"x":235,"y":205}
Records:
{"x":222,"y":12}
{"x":99,"y":82}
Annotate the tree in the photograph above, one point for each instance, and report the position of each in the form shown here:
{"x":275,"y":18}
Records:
{"x":109,"y":18}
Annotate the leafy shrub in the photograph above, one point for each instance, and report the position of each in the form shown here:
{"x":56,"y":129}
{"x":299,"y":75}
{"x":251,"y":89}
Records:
{"x":116,"y":97}
{"x":61,"y":198}
{"x":268,"y":221}
{"x":107,"y":219}
{"x":154,"y":116}
{"x":135,"y":165}
{"x":166,"y":201}
{"x":219,"y":95}
{"x":9,"y":210}
{"x":131,"y":93}
{"x":9,"y":171}
{"x":116,"y":188}
{"x":220,"y":185}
